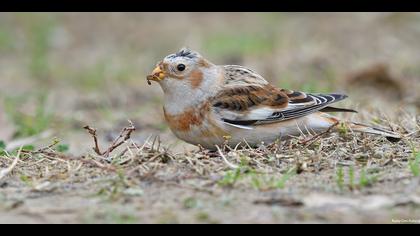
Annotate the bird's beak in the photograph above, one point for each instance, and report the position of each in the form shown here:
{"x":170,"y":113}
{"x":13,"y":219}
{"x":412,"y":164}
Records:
{"x":157,"y":74}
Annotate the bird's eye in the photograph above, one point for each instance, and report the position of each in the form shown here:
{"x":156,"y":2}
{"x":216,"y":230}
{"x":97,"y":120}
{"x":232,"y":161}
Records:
{"x":180,"y":67}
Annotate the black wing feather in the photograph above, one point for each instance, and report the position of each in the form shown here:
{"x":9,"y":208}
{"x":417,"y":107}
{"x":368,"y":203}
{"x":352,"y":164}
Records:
{"x":320,"y":102}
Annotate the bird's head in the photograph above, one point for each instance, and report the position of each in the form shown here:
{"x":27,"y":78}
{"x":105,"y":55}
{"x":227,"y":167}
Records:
{"x":185,"y":68}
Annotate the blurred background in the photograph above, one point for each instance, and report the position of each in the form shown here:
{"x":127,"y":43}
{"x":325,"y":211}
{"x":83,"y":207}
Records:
{"x":61,"y":71}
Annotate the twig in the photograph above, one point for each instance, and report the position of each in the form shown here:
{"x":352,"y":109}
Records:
{"x":314,"y":138}
{"x":125,"y":135}
{"x":6,"y":171}
{"x":41,"y":150}
{"x":92,"y":132}
{"x":233,"y":166}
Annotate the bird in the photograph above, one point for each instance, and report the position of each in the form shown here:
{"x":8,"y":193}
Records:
{"x":211,"y":105}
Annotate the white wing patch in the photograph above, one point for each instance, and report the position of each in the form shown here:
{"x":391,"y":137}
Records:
{"x":264,"y":115}
{"x":239,"y":126}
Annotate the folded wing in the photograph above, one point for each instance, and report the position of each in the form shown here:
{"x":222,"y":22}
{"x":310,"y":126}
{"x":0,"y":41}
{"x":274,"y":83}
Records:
{"x":248,"y":100}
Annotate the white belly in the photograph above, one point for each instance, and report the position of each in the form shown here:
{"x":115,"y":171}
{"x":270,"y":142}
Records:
{"x":267,"y":133}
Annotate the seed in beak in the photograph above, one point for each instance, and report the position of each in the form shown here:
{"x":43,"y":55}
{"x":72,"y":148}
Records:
{"x":157,"y":75}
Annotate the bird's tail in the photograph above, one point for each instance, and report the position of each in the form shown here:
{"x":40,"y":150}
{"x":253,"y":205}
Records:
{"x":357,"y":127}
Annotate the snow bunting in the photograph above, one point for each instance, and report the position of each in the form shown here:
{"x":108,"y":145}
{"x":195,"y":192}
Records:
{"x":208,"y":105}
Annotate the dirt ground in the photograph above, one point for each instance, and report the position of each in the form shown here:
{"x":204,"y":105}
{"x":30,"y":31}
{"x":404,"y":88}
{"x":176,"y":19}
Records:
{"x":60,"y":72}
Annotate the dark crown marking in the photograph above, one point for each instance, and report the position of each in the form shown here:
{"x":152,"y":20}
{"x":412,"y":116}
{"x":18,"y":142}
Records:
{"x":186,"y":52}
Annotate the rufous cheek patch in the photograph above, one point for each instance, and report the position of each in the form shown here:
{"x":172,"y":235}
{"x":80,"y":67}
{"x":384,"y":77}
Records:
{"x":196,"y":78}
